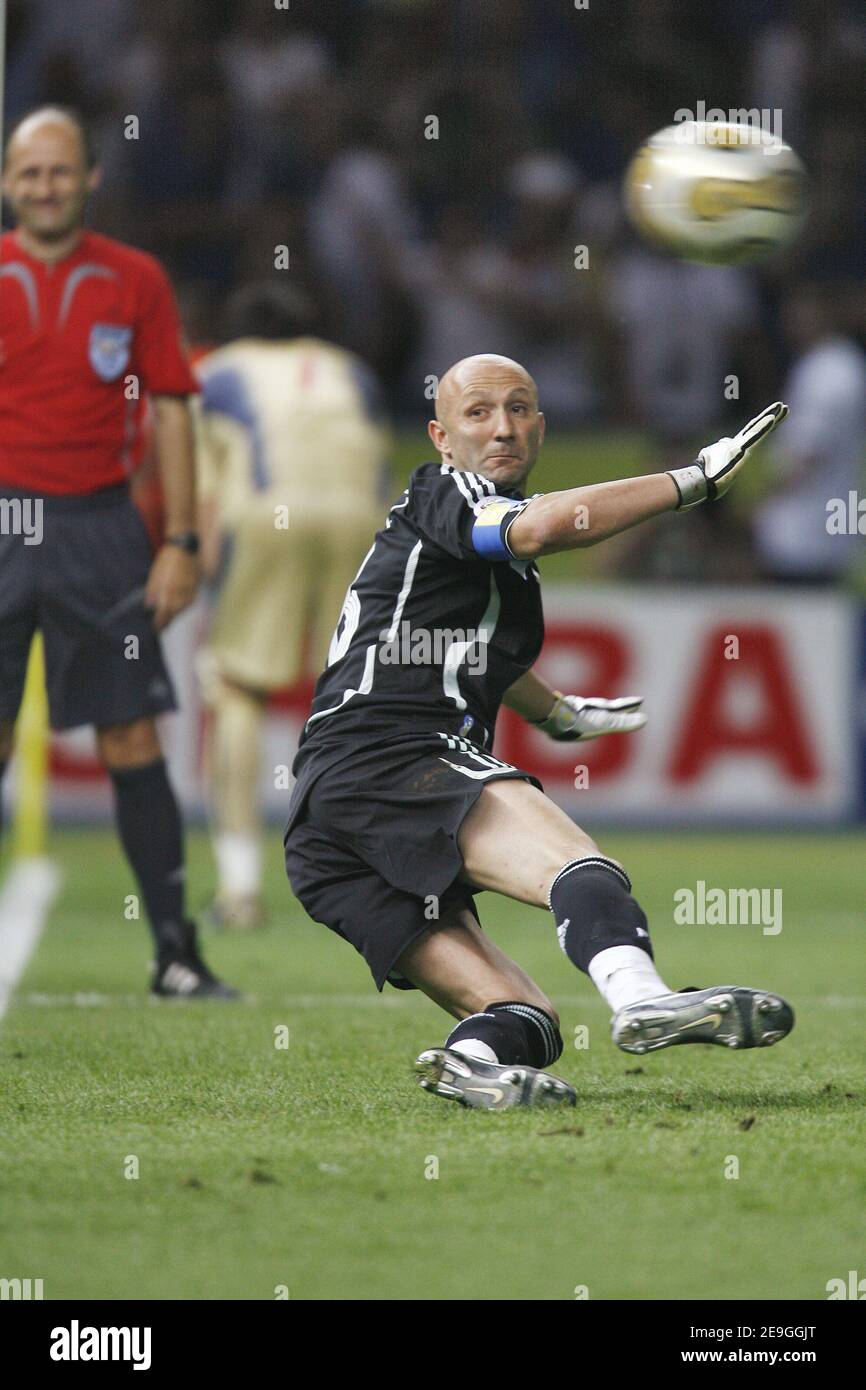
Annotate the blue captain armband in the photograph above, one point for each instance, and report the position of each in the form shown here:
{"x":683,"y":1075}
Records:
{"x":493,"y":517}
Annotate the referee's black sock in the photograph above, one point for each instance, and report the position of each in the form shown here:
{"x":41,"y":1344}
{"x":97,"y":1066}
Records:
{"x":148,"y":820}
{"x":511,"y":1033}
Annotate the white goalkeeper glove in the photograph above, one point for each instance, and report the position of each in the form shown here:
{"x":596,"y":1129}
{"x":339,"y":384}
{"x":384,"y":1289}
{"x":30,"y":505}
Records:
{"x":715,"y":467}
{"x":573,"y":717}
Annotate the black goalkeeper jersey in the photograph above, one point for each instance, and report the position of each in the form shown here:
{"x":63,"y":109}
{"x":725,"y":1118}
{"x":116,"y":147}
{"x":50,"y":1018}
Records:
{"x":432,"y":633}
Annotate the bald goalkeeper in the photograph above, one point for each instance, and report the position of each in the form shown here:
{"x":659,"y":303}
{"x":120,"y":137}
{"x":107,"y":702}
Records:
{"x":401,"y":814}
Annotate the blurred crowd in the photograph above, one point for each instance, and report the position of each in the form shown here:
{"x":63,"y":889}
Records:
{"x":431,"y":166}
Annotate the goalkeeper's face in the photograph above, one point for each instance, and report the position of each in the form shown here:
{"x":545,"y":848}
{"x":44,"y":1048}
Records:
{"x":487,"y":419}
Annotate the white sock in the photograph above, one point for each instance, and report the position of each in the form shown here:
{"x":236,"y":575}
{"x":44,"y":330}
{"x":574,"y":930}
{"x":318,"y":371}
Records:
{"x":625,"y":975}
{"x":239,"y":864}
{"x":474,"y":1047}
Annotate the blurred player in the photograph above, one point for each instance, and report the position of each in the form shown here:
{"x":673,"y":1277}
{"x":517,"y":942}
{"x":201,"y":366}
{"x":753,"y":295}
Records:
{"x":88,"y":325}
{"x":823,"y":454}
{"x":400,"y":812}
{"x":292,"y":482}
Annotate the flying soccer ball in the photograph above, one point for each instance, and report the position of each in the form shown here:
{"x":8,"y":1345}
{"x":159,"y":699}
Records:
{"x":723,"y":193}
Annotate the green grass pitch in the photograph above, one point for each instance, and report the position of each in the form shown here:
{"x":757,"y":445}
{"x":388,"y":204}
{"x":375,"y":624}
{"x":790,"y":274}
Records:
{"x":261,"y":1167}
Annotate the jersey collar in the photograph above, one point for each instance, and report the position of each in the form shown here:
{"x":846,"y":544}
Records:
{"x":511,"y":492}
{"x":78,"y":251}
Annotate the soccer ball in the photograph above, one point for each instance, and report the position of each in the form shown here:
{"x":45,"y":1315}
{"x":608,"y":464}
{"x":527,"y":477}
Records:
{"x":724,"y":193}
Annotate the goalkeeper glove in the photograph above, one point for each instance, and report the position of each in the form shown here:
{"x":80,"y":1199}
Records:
{"x":715,"y":467}
{"x":573,"y":717}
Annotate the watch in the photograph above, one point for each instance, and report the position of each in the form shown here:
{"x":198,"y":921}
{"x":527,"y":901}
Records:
{"x":186,"y":540}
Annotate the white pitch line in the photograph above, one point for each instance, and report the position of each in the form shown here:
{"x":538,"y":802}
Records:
{"x":93,"y":1000}
{"x":25,"y":899}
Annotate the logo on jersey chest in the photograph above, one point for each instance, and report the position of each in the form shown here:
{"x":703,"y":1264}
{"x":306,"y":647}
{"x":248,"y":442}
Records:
{"x":109,"y":348}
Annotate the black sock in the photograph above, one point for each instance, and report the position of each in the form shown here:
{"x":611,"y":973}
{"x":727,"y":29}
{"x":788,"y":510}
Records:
{"x":148,"y":820}
{"x":591,"y":901}
{"x":518,"y":1033}
{"x":2,"y":770}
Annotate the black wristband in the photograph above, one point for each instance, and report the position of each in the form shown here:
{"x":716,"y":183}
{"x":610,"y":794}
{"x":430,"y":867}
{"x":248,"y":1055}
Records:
{"x":185,"y":540}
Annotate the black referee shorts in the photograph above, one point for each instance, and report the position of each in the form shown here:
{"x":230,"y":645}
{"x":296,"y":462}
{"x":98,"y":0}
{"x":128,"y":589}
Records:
{"x":371,"y":847}
{"x":79,"y":578}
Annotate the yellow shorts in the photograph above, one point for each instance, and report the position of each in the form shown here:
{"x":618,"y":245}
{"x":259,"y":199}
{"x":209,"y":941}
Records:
{"x":281,"y":589}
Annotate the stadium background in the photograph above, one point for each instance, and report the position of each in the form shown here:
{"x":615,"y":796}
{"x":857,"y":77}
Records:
{"x":433,"y":168}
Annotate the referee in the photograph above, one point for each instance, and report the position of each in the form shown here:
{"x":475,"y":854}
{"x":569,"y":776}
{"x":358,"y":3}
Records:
{"x":88,"y":327}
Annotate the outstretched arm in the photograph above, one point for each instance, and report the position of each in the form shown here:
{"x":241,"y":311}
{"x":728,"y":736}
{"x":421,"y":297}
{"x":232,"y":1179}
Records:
{"x":583,"y":516}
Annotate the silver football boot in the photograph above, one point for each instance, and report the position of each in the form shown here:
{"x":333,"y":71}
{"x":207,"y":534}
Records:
{"x":729,"y":1015}
{"x":488,"y":1085}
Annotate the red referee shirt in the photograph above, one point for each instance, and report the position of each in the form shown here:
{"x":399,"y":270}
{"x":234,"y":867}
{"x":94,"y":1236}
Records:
{"x":72,"y":336}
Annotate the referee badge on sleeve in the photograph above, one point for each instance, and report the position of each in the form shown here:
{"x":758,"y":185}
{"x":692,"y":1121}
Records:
{"x":108,"y":349}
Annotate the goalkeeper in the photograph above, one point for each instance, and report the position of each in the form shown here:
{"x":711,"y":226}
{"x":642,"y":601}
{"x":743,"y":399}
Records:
{"x":400,"y":813}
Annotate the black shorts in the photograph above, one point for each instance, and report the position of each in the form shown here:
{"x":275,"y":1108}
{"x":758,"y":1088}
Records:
{"x":81,"y":583}
{"x":371,"y":847}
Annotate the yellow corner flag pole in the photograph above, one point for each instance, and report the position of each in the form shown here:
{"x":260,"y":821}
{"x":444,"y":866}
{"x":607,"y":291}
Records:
{"x":33,"y":880}
{"x":31,"y":760}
